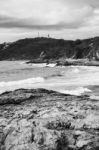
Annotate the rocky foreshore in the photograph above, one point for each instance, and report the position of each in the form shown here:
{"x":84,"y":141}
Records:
{"x":66,"y":62}
{"x":77,"y":62}
{"x":39,"y":119}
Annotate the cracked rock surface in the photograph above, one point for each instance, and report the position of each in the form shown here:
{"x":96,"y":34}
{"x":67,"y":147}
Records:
{"x":46,"y":120}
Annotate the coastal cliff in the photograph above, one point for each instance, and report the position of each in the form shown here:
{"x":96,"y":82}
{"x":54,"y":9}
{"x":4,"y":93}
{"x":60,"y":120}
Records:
{"x":45,"y":49}
{"x":39,"y":119}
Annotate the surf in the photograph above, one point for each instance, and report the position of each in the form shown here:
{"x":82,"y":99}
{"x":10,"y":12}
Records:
{"x":13,"y":85}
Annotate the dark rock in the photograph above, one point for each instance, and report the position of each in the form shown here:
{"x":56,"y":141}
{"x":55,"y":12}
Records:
{"x":39,"y":50}
{"x":39,"y":119}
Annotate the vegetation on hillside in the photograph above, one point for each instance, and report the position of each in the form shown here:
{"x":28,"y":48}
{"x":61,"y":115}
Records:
{"x":49,"y":48}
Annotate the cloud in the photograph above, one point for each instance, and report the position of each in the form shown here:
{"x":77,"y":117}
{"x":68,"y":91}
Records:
{"x":57,"y":16}
{"x":8,"y":22}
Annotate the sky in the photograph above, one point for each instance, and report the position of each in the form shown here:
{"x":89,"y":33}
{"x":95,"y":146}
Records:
{"x":67,"y":19}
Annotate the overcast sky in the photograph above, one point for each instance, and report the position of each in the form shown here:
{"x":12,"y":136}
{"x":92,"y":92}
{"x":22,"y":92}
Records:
{"x":68,"y":19}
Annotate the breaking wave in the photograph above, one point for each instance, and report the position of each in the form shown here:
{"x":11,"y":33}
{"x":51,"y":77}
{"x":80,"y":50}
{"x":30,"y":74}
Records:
{"x":76,"y":70}
{"x":77,"y":91}
{"x":94,"y":97}
{"x":41,"y":65}
{"x":51,"y":65}
{"x":13,"y":85}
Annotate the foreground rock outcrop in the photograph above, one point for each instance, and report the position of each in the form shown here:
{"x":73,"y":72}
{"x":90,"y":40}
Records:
{"x":46,"y":120}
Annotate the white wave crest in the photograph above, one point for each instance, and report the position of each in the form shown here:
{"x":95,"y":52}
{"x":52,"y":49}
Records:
{"x":94,"y":97}
{"x":38,"y":65}
{"x":51,"y":65}
{"x":42,"y":65}
{"x":76,"y":70}
{"x":13,"y":85}
{"x":77,"y":91}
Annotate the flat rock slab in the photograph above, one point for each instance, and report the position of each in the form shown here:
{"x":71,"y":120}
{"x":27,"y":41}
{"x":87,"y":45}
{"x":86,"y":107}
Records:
{"x":39,"y":119}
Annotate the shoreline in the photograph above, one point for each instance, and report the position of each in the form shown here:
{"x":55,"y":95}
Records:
{"x":60,"y":62}
{"x":80,"y":62}
{"x":67,"y":62}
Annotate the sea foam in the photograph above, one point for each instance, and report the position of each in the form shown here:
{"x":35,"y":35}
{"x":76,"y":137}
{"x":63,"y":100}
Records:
{"x":13,"y":85}
{"x":77,"y":91}
{"x":42,"y":65}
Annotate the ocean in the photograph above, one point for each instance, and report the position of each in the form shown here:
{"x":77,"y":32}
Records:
{"x":75,"y":80}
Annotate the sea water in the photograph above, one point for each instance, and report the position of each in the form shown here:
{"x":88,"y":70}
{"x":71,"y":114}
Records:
{"x":75,"y":80}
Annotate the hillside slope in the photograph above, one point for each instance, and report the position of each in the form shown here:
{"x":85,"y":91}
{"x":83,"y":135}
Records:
{"x":48,"y":48}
